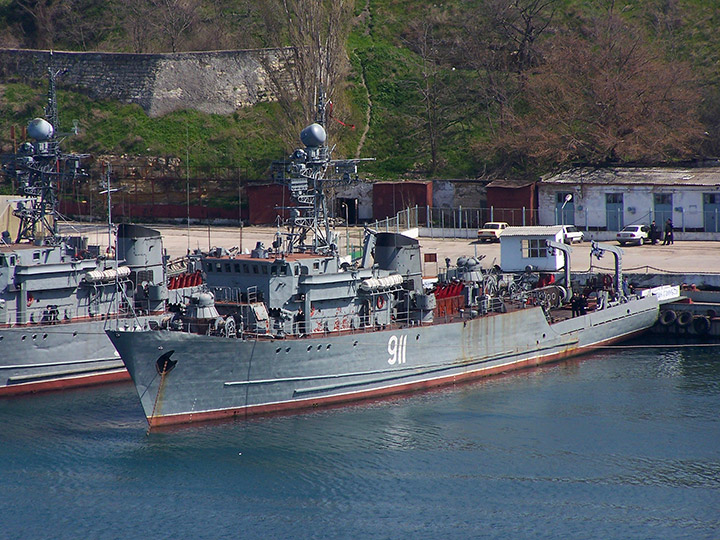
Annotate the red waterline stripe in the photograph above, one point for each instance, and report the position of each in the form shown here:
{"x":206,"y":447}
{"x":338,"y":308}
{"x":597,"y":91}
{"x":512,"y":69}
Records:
{"x":76,"y":381}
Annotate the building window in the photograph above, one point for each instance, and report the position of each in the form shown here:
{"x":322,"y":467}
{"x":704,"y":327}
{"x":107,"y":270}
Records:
{"x":534,"y":248}
{"x":614,"y":198}
{"x":663,"y":198}
{"x":711,"y":198}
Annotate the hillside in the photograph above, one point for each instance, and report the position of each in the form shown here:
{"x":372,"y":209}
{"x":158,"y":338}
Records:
{"x":452,"y":90}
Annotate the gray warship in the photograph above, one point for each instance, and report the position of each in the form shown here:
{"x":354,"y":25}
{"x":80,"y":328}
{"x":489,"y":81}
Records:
{"x":59,"y":293}
{"x":293,"y":325}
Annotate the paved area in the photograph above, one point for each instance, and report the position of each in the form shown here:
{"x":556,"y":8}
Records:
{"x":682,"y":257}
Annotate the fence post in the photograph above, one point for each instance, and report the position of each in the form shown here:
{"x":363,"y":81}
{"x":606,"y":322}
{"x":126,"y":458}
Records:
{"x":492,"y":213}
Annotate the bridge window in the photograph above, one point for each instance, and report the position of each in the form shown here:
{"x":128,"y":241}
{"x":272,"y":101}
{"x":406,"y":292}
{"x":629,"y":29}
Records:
{"x":208,"y":267}
{"x":237,"y":268}
{"x":255,"y":269}
{"x":246,"y":269}
{"x":227,"y":268}
{"x":264,"y":269}
{"x":218,"y":267}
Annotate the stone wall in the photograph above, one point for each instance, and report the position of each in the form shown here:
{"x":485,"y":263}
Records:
{"x":216,"y":82}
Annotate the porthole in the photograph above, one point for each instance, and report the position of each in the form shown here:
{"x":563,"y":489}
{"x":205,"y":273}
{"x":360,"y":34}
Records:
{"x":319,"y":347}
{"x":34,"y":337}
{"x":75,"y":334}
{"x":417,"y":338}
{"x":23,"y":338}
{"x":287,"y":350}
{"x":278,"y":350}
{"x":309,"y":348}
{"x":355,"y":343}
{"x":44,"y":336}
{"x":328,"y":346}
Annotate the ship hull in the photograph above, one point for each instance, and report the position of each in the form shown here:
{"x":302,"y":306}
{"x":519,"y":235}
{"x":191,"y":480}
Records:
{"x":214,"y":377}
{"x":37,"y":358}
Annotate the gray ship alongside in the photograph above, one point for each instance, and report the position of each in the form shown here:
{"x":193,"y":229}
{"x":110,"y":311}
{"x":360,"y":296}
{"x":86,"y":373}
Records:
{"x":295,"y":326}
{"x":58,"y":294}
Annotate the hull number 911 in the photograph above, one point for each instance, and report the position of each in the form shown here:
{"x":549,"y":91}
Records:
{"x":396,"y":349}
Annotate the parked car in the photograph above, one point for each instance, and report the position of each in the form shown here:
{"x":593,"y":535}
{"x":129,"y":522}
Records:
{"x":491,"y":231}
{"x":634,"y":234}
{"x":572,"y":235}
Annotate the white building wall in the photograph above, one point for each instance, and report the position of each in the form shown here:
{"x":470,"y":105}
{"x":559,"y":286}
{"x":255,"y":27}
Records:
{"x":638,"y":204}
{"x":512,"y":257}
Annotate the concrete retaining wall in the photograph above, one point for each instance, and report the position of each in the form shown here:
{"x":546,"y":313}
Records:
{"x":216,"y":82}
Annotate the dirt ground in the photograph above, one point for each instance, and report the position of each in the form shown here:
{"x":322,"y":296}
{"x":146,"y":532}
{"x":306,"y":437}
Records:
{"x":681,"y":257}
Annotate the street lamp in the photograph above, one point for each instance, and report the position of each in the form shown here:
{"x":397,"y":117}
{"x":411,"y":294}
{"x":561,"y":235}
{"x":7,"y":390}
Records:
{"x":568,"y":198}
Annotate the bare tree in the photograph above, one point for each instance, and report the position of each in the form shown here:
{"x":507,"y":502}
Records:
{"x":45,"y":15}
{"x":499,"y":40}
{"x":314,"y":34}
{"x":174,"y":20}
{"x":606,"y":97}
{"x":134,"y":16}
{"x":431,"y":39}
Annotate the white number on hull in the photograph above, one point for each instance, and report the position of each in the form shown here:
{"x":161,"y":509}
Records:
{"x":396,"y":349}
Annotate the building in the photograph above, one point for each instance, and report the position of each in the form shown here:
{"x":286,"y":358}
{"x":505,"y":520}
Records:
{"x":608,"y":199}
{"x":521,"y":247}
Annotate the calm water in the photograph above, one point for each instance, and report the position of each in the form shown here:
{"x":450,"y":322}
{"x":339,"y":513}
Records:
{"x":621,"y":444}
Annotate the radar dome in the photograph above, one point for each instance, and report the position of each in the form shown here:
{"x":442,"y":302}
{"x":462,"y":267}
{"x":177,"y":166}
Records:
{"x":40,"y":129}
{"x":313,"y":135}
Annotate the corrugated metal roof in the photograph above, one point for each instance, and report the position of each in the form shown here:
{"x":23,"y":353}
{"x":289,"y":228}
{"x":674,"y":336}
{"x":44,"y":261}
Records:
{"x":662,"y":176}
{"x":550,"y":230}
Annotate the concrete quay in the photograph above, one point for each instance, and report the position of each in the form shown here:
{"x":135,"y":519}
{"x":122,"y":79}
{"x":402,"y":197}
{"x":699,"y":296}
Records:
{"x":695,"y":262}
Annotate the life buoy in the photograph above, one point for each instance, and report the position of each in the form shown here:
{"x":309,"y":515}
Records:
{"x":380,"y":303}
{"x":684,"y":319}
{"x":668,"y":317}
{"x":30,"y":299}
{"x":701,"y":324}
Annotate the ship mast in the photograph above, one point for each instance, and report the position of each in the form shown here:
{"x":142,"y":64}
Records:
{"x":38,"y":168}
{"x":308,"y":173}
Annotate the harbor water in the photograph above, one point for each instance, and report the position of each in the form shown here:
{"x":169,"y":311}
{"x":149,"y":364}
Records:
{"x":620,"y":444}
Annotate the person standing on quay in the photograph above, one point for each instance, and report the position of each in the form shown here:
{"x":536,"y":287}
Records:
{"x":653,"y":233}
{"x":668,"y":233}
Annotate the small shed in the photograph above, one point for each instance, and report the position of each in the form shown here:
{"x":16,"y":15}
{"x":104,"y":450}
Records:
{"x":521,"y":247}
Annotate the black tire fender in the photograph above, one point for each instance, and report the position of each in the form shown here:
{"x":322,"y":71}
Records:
{"x":701,"y":324}
{"x":684,"y":319}
{"x":668,"y":317}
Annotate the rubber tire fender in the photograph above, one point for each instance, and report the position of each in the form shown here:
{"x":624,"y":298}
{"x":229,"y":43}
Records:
{"x":685,"y":319}
{"x":668,"y":317}
{"x":701,"y":324}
